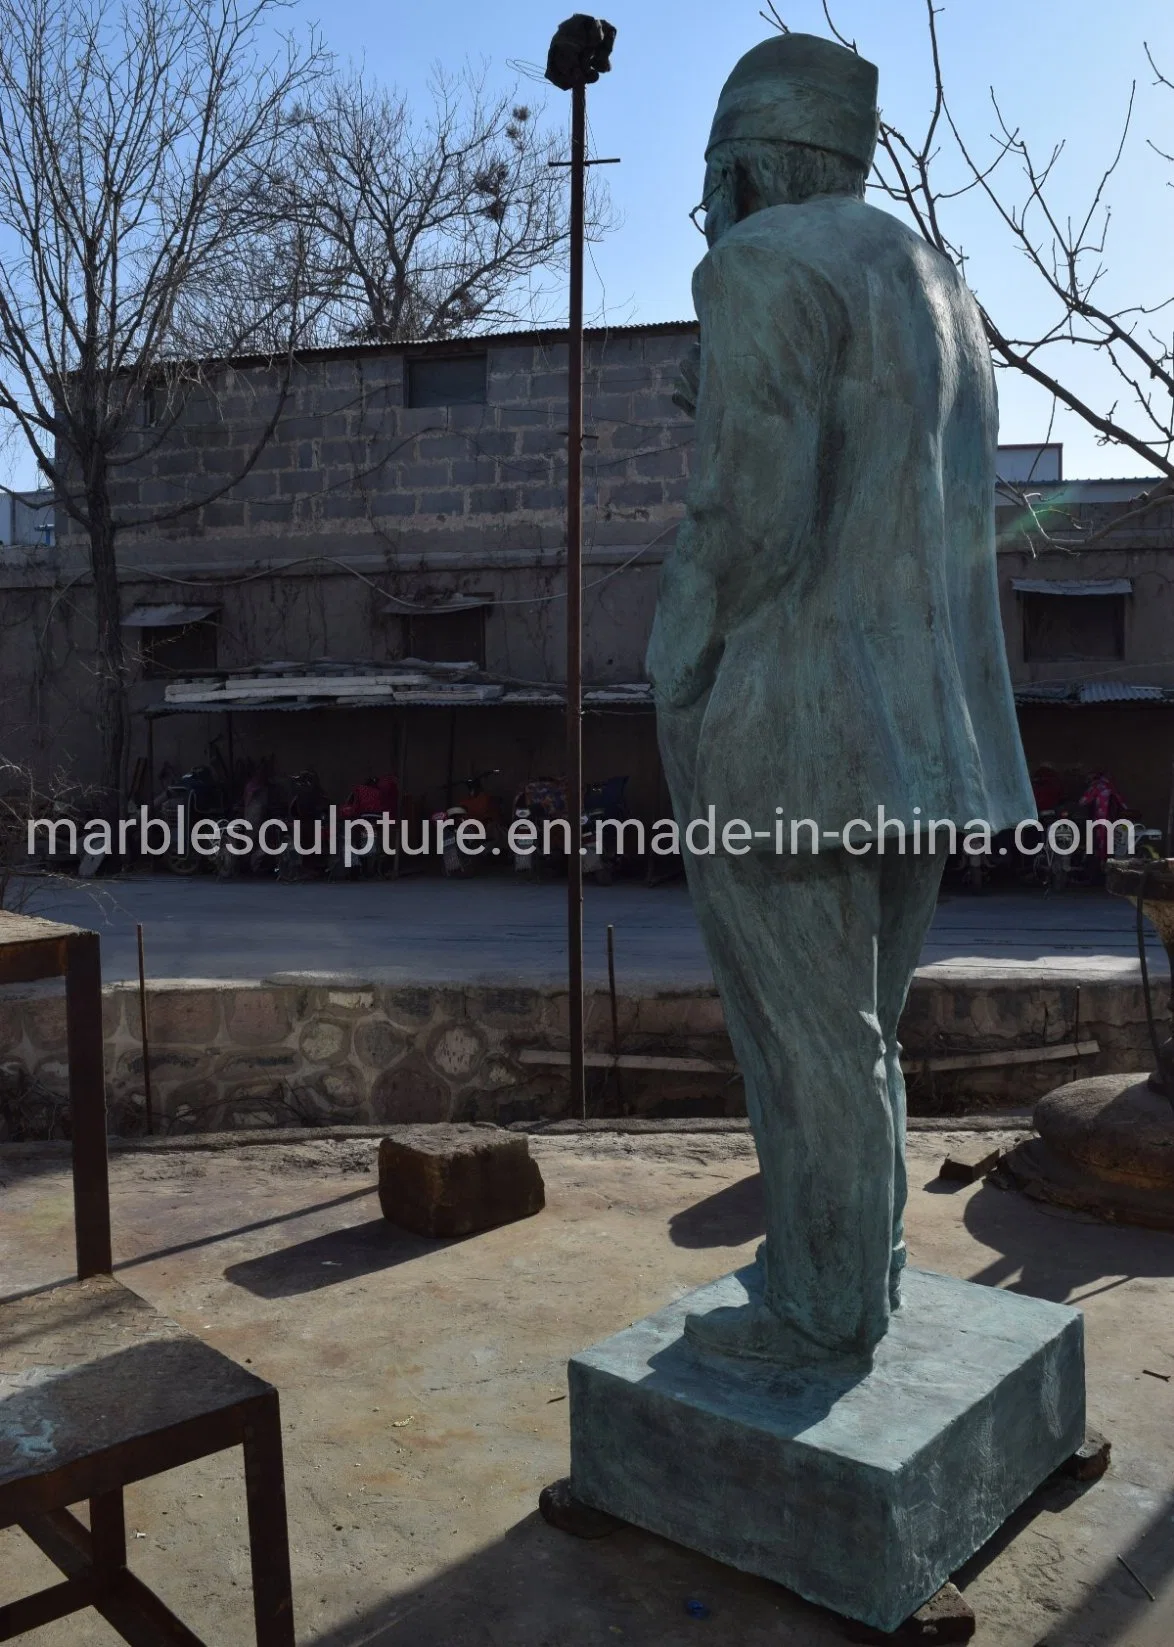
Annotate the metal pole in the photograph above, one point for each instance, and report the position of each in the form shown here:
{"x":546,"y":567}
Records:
{"x":615,"y":1013}
{"x":574,"y":761}
{"x":150,"y":1109}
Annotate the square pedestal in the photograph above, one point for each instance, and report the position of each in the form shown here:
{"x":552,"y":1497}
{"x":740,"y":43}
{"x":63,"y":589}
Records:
{"x":863,"y":1496}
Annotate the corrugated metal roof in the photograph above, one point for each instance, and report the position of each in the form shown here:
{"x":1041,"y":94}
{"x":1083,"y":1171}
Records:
{"x":1037,"y":692}
{"x":478,"y":341}
{"x":435,"y":695}
{"x":1072,"y":586}
{"x":1120,"y":692}
{"x":1085,"y":692}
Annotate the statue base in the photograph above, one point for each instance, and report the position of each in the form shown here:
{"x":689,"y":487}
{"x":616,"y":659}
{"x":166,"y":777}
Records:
{"x":862,"y":1492}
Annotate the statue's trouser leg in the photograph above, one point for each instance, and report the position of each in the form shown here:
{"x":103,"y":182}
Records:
{"x":908,"y":893}
{"x":793,"y":944}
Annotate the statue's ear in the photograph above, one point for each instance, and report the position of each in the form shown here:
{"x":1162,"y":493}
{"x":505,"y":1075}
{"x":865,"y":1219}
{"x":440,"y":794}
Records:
{"x":747,"y":199}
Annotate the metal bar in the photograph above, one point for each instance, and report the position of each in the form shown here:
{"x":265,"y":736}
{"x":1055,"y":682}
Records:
{"x":401,"y":801}
{"x":452,"y":755}
{"x":544,"y":1058}
{"x":27,"y":962}
{"x":574,"y":756}
{"x":1058,"y":1052}
{"x":149,"y":1106}
{"x":87,"y":1105}
{"x":108,"y":1532}
{"x":615,"y":1011}
{"x":268,"y":1533}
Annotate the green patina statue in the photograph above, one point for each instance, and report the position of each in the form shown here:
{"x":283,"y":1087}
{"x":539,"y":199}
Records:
{"x":827,"y":643}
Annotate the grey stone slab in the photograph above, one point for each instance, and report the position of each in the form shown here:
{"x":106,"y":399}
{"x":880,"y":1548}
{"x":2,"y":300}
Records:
{"x":864,"y":1496}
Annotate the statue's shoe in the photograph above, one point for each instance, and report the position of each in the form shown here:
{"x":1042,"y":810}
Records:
{"x":754,"y":1332}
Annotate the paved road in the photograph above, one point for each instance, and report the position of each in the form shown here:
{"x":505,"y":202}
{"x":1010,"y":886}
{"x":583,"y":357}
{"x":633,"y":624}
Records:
{"x":496,"y":931}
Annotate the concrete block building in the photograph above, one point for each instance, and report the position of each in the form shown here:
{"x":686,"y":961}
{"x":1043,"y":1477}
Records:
{"x":407,"y":502}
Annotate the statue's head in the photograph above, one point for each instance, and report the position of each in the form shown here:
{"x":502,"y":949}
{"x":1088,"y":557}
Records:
{"x":796,"y":118}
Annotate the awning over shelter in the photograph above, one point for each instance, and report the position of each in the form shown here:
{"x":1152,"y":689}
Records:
{"x":398,"y":608}
{"x":1072,"y":586}
{"x":1085,"y":692}
{"x":409,"y":682}
{"x":166,"y":617}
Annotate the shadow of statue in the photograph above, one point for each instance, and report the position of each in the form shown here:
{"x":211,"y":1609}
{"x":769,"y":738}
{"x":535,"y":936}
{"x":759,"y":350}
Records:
{"x":728,"y":1218}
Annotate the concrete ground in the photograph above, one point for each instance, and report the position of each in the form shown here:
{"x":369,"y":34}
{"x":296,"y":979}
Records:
{"x":423,"y":1396}
{"x":493,"y":930}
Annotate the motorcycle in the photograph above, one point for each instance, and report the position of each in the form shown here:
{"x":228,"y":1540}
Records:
{"x":604,"y":803}
{"x":1075,"y":854}
{"x":198,"y":794}
{"x":542,"y":801}
{"x":262,"y":798}
{"x":306,"y":851}
{"x":374,"y":802}
{"x":479,"y":806}
{"x":539,"y":801}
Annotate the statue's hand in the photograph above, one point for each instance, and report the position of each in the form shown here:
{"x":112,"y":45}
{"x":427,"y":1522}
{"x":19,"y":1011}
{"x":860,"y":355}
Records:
{"x":684,"y":648}
{"x":688,"y":379}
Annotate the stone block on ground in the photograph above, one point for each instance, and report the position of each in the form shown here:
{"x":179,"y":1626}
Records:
{"x":946,"y":1617}
{"x":448,"y":1179}
{"x":862,"y":1493}
{"x":967,"y":1163}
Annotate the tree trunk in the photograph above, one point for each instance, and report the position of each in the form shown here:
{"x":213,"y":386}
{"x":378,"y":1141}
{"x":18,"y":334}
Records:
{"x":110,"y":696}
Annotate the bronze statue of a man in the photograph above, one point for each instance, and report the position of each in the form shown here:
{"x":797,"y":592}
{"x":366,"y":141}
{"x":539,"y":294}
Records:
{"x":827,"y":644}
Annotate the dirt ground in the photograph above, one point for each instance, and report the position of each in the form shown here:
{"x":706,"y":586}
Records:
{"x":423,"y":1397}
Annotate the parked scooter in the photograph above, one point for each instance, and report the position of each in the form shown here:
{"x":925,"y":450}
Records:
{"x":374,"y":802}
{"x":539,"y":801}
{"x":478,"y":806}
{"x":604,"y":803}
{"x":544,"y":800}
{"x":262,"y":798}
{"x":307,"y":850}
{"x":1074,"y":855}
{"x":198,"y":794}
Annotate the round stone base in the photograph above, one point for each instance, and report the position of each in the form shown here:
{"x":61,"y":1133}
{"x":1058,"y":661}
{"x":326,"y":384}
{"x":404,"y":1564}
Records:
{"x":1106,"y":1147}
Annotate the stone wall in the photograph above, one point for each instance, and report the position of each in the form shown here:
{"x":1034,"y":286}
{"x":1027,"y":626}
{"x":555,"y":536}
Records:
{"x":329,"y":1049}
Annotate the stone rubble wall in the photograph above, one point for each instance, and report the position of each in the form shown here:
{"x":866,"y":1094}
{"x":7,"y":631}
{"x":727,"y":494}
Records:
{"x":331,"y":1051}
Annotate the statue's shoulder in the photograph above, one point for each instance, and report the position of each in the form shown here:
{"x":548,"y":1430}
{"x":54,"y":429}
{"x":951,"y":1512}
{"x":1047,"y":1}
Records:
{"x":830,"y":242}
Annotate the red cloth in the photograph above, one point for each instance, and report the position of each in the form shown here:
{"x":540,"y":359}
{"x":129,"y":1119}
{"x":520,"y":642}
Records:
{"x":1048,"y":791}
{"x":379,"y":797}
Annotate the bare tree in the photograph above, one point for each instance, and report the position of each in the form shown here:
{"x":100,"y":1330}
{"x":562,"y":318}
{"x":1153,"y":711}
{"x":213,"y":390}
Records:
{"x":1068,"y":254}
{"x":425,"y":227}
{"x":136,"y":142}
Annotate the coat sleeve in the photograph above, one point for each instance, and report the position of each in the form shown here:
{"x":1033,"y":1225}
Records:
{"x":768,"y":329}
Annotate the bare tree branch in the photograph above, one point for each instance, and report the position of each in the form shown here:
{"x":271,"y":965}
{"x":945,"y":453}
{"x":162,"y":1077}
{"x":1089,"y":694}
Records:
{"x":425,"y":228}
{"x":135,"y":148}
{"x":1068,"y":254}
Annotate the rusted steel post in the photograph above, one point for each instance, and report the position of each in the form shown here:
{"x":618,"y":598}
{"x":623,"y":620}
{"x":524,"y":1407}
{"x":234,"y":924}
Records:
{"x":87,"y":1104}
{"x":579,"y":53}
{"x":149,"y":1107}
{"x":574,"y":759}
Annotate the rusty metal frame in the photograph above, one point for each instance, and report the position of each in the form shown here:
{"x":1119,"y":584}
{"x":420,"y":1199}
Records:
{"x":94,"y":1560}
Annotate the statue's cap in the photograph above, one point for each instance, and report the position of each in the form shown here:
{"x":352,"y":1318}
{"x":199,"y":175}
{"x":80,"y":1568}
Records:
{"x":800,"y":88}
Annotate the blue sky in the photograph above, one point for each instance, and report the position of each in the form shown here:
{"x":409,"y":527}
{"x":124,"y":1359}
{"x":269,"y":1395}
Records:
{"x":1063,"y":69}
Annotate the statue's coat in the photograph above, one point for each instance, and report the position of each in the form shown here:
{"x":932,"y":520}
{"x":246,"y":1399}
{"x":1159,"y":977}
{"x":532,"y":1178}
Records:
{"x":828,"y":636}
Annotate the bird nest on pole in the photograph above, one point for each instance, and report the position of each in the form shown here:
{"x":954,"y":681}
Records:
{"x":580,"y":52}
